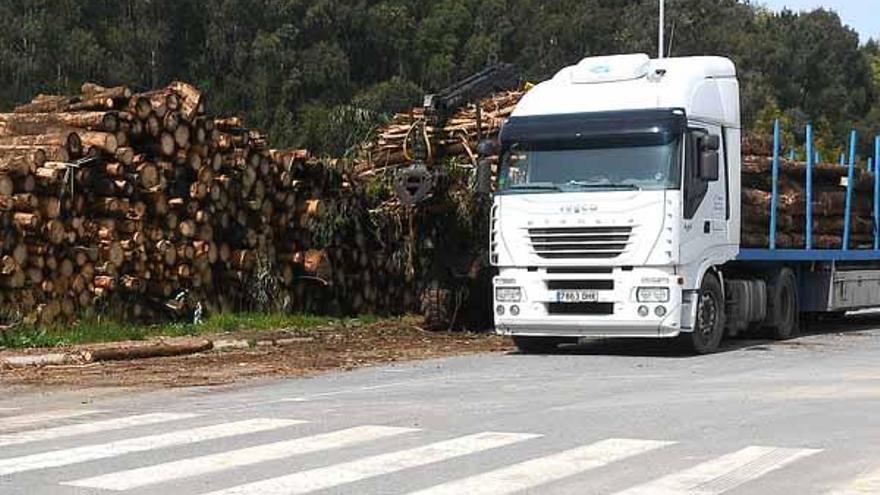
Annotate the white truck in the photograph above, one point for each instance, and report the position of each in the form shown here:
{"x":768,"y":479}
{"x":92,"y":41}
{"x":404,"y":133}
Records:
{"x":617,"y":214}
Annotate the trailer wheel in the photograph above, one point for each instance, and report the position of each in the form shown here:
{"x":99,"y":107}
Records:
{"x":782,"y":306}
{"x":540,"y":345}
{"x":709,"y":328}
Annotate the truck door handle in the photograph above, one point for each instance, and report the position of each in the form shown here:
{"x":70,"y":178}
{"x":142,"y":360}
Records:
{"x":707,"y":227}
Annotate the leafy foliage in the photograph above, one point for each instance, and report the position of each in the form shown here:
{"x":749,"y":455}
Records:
{"x":320,"y":73}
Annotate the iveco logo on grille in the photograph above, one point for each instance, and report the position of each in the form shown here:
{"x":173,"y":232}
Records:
{"x":579,"y":208}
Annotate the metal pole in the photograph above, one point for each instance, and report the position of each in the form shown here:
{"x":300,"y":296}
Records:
{"x":811,"y":156}
{"x":876,"y":194}
{"x":774,"y":198}
{"x":849,"y":188}
{"x":661,"y":50}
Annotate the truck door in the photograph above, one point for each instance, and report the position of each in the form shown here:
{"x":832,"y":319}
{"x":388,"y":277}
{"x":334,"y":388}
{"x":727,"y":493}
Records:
{"x":705,"y":201}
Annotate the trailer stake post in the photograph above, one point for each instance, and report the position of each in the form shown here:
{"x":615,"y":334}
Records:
{"x":774,"y":200}
{"x":811,"y":156}
{"x":849,"y":188}
{"x":876,"y":194}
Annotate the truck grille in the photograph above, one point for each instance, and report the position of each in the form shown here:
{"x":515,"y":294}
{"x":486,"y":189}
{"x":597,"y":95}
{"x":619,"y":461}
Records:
{"x":580,"y":242}
{"x":580,"y":284}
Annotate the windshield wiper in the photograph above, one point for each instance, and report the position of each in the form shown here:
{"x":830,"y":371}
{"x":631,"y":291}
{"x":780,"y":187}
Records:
{"x":590,"y":185}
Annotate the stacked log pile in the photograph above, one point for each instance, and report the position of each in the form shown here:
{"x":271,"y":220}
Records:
{"x":143,"y":207}
{"x":138,"y":204}
{"x":829,"y":202}
{"x":457,"y":138}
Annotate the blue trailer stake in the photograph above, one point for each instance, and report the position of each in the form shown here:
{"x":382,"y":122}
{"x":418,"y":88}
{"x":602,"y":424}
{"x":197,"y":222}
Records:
{"x":843,"y":158}
{"x":877,"y":194}
{"x":810,"y":157}
{"x":775,"y":196}
{"x":849,"y":188}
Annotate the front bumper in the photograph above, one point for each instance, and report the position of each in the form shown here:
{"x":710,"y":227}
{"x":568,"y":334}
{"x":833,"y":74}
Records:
{"x":615,"y":313}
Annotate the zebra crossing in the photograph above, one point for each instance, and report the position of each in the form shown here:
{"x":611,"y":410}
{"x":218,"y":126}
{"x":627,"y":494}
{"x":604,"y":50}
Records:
{"x":71,"y":447}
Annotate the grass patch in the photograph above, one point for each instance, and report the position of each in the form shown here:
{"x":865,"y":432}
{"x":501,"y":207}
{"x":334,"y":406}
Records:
{"x":98,"y":330}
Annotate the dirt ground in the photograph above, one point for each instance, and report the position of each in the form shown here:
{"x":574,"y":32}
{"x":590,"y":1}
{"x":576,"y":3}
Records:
{"x":299,"y":353}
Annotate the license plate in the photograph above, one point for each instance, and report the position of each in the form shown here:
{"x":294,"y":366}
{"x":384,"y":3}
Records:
{"x":577,"y":296}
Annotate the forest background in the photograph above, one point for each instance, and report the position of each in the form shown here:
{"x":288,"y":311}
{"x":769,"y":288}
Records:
{"x":322,"y":74}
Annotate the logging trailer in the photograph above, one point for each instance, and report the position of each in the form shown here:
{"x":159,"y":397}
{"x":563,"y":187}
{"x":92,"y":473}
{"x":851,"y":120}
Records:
{"x":618,"y":214}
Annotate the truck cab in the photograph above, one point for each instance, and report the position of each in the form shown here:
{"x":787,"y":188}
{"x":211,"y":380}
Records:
{"x":617,"y":201}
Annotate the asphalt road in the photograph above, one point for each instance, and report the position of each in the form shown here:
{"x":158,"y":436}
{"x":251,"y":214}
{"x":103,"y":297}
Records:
{"x":800,"y":417}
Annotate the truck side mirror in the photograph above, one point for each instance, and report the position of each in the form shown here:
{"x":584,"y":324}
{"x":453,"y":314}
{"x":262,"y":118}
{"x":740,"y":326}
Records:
{"x":709,"y":166}
{"x":711,"y":143}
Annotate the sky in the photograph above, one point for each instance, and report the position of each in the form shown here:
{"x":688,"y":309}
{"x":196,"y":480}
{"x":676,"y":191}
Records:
{"x":861,"y":15}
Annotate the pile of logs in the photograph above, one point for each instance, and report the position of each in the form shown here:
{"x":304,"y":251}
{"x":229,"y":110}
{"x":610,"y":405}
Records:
{"x":458,"y":137}
{"x":140,"y":204}
{"x":829,"y":202}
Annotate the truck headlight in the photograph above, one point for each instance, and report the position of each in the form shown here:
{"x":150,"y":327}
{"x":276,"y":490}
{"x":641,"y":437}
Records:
{"x":653,"y":294}
{"x":508,"y":294}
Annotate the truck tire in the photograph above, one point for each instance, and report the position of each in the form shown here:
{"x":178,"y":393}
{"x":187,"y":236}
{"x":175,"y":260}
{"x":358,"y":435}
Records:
{"x":709,"y":326}
{"x":540,"y":345}
{"x":782,"y":306}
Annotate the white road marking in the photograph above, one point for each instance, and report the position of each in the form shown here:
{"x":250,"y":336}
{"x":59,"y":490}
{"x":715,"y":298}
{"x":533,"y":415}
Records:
{"x":85,"y":428}
{"x":368,"y":467}
{"x":724,"y":473}
{"x":535,"y":472}
{"x":24,"y":420}
{"x":868,"y":484}
{"x":160,"y":473}
{"x":64,"y":457}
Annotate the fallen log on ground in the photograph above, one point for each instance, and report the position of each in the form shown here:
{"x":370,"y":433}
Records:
{"x":153,"y":350}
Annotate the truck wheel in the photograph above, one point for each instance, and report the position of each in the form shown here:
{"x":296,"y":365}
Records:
{"x":782,"y":306}
{"x":540,"y":345}
{"x":709,"y":328}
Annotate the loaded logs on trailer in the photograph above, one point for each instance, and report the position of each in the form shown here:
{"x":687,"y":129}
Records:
{"x":828,"y":202}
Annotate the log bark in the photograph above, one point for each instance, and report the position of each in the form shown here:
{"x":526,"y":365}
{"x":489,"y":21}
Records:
{"x":21,"y":162}
{"x":70,"y":140}
{"x":12,"y":124}
{"x":161,"y":349}
{"x":53,"y":153}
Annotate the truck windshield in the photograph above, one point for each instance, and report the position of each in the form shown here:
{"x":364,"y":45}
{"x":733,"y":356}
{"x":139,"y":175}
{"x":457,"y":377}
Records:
{"x":611,"y":165}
